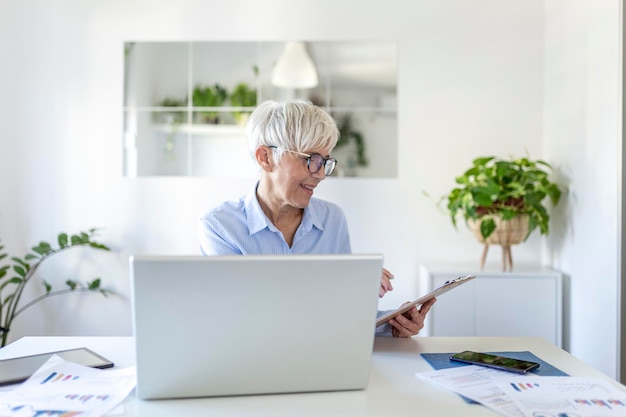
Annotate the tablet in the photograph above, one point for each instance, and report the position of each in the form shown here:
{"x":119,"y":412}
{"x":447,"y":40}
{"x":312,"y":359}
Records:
{"x":16,"y":370}
{"x":447,"y":286}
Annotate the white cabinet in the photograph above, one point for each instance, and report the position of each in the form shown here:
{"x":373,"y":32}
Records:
{"x":524,"y":303}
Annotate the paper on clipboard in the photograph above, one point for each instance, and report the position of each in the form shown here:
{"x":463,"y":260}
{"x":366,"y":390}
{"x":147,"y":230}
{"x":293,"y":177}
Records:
{"x":447,"y":286}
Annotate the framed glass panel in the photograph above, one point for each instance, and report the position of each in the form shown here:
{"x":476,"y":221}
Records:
{"x":186,"y":103}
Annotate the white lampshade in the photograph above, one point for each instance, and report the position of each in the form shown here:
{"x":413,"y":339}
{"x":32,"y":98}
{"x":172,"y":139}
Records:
{"x":294,"y":68}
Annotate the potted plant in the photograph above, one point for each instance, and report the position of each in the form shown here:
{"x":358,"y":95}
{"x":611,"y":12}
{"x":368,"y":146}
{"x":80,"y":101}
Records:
{"x":503,"y":200}
{"x":175,"y":116}
{"x":210,"y":96}
{"x":173,"y":119}
{"x":348,"y":133}
{"x":242,"y":96}
{"x":24,"y":269}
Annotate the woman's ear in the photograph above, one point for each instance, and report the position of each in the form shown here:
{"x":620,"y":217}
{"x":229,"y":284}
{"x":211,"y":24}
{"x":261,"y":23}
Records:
{"x":264,"y":158}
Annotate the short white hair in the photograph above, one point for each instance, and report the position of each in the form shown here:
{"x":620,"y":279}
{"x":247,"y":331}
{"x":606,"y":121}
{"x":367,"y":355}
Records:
{"x":297,"y":125}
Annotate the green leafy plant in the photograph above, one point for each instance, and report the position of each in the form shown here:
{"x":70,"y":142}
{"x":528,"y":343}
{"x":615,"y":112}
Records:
{"x":210,"y":96}
{"x":348,"y":133}
{"x":24,"y":269}
{"x":174,"y":117}
{"x":242,"y":96}
{"x":507,"y":188}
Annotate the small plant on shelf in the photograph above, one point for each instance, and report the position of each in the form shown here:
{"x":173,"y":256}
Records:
{"x":210,"y":96}
{"x":172,"y":118}
{"x":24,"y":269}
{"x":242,"y":96}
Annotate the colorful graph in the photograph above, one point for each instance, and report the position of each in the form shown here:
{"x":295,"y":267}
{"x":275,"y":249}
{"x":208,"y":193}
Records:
{"x":523,"y":386}
{"x":610,"y":403}
{"x":55,"y":377}
{"x":85,"y":398}
{"x":49,"y":413}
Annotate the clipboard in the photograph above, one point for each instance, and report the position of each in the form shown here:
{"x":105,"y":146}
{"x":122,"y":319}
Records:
{"x":447,"y":286}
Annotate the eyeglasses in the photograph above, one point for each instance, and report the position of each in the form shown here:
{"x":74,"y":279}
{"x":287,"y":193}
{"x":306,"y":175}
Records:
{"x":315,"y":161}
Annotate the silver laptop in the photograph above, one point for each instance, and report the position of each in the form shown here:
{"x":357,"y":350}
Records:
{"x":238,"y":325}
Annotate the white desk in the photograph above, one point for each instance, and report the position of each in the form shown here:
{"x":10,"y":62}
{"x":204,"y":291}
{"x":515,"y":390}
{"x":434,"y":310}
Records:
{"x":393,"y":389}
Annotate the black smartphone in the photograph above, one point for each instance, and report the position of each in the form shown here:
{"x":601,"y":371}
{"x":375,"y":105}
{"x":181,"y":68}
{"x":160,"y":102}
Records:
{"x":16,"y":370}
{"x":493,"y":361}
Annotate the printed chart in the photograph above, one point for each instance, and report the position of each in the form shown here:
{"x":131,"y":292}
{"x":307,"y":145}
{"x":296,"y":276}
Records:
{"x":65,"y":389}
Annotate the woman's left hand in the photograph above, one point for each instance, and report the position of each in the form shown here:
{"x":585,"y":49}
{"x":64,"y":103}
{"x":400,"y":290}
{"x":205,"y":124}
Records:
{"x":385,"y":283}
{"x":410,"y":323}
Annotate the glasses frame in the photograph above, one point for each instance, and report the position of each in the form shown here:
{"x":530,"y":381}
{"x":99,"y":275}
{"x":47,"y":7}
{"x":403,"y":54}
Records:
{"x":308,"y":161}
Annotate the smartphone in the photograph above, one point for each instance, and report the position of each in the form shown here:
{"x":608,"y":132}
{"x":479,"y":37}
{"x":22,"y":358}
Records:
{"x":16,"y":370}
{"x":493,"y":361}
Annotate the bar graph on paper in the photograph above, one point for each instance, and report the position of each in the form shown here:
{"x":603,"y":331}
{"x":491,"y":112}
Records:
{"x":59,"y":377}
{"x":84,"y":398}
{"x":65,"y":389}
{"x":523,"y":386}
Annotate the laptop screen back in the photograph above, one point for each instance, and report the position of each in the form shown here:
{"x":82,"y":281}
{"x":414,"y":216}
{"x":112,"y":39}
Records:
{"x":234,"y":325}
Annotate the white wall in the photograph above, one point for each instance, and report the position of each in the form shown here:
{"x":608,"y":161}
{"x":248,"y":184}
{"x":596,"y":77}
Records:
{"x":582,"y":137}
{"x":470,"y":84}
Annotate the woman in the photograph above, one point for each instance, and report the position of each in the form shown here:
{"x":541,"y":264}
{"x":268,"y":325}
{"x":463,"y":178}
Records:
{"x":291,"y":142}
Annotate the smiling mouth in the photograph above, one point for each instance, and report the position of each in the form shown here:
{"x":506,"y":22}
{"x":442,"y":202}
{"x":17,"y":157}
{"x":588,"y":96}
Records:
{"x":308,"y":187}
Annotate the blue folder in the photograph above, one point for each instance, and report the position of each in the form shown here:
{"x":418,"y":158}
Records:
{"x":442,"y":361}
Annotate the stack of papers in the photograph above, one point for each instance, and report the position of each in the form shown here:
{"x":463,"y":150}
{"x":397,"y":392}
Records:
{"x":62,"y":388}
{"x":531,"y":396}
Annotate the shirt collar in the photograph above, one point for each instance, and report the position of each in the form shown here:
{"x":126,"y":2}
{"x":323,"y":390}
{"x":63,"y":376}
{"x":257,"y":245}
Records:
{"x":255,"y":217}
{"x":257,"y":220}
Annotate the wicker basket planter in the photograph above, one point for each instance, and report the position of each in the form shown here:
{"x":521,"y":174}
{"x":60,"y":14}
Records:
{"x":507,"y":233}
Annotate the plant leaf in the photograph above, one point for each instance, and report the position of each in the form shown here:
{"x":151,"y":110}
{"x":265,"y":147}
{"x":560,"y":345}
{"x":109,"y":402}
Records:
{"x":487,"y":226}
{"x":21,"y":262}
{"x":96,"y":245}
{"x":13,"y":280}
{"x":482,"y":160}
{"x":19,"y":270}
{"x":43,"y":248}
{"x":63,"y":241}
{"x":508,"y":214}
{"x":94,"y":285}
{"x":8,"y":298}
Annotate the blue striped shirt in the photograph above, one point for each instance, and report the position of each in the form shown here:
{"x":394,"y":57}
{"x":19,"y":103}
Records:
{"x":240,"y":227}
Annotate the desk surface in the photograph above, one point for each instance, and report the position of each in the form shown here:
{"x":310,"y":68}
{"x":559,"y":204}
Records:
{"x":393,"y":389}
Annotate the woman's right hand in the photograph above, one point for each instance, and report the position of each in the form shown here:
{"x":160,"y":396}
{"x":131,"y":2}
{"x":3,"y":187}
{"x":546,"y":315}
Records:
{"x":385,"y":283}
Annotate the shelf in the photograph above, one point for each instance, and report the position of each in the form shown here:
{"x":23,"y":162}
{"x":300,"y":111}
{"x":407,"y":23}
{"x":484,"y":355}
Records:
{"x":206,"y":129}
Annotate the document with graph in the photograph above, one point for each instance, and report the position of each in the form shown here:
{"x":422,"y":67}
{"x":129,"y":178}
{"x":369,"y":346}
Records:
{"x":516,"y":395}
{"x":65,"y":388}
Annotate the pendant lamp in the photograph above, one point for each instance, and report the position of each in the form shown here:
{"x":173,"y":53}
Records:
{"x":294,"y":68}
